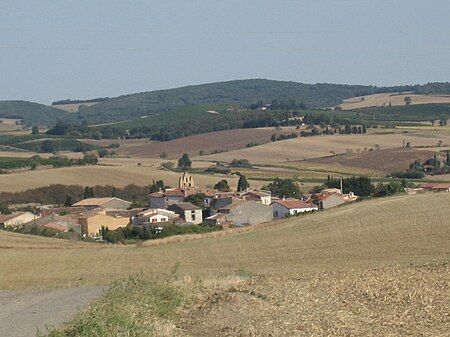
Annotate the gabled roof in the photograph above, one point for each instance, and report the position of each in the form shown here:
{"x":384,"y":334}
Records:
{"x":96,"y":201}
{"x":435,"y":185}
{"x":185,"y":206}
{"x":176,"y":192}
{"x":294,"y":204}
{"x":6,"y":217}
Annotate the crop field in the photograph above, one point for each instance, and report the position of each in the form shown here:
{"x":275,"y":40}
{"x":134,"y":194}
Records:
{"x":321,"y":146}
{"x":370,"y":163}
{"x":381,"y":100}
{"x":118,"y":176}
{"x":73,"y":107}
{"x":372,"y":268}
{"x":215,"y":141}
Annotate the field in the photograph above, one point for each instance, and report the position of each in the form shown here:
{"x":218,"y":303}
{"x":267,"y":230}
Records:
{"x":101,"y":175}
{"x":374,"y":268}
{"x":395,"y":99}
{"x":215,"y":141}
{"x":320,"y":146}
{"x":74,"y":107}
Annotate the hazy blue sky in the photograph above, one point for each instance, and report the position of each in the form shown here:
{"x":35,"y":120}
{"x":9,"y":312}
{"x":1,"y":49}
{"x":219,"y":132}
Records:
{"x":59,"y":49}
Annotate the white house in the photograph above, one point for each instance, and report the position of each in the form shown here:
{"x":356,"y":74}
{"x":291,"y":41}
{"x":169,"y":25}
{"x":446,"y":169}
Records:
{"x":153,"y":216}
{"x":16,"y":219}
{"x":282,"y":208}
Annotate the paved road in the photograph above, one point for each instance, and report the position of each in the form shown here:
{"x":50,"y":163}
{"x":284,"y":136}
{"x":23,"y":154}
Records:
{"x":23,"y":312}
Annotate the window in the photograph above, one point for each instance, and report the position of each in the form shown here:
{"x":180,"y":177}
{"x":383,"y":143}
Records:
{"x":193,"y":215}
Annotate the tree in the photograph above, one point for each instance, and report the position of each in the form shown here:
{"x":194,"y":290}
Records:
{"x":284,"y":188}
{"x":157,"y":186}
{"x":47,"y":146}
{"x":240,"y":163}
{"x":196,"y":199}
{"x":102,"y":153}
{"x":408,"y":100}
{"x":35,"y":130}
{"x":222,"y":186}
{"x":88,"y":192}
{"x":184,"y":162}
{"x":68,"y":202}
{"x":242,"y":183}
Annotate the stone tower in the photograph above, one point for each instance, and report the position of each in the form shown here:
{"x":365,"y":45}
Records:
{"x":185,"y":181}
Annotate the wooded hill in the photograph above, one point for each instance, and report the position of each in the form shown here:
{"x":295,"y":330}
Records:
{"x":240,"y":92}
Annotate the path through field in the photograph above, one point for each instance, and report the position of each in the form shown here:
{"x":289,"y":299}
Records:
{"x":23,"y":313}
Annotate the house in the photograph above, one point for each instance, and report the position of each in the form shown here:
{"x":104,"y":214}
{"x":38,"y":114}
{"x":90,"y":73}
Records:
{"x":285,"y":207}
{"x":264,"y":197}
{"x":164,"y":199}
{"x":154,"y":216}
{"x":15,"y":219}
{"x":330,"y":200}
{"x":56,"y":222}
{"x":188,"y":212}
{"x":103,"y":203}
{"x":241,"y":213}
{"x":93,"y":221}
{"x":444,"y":187}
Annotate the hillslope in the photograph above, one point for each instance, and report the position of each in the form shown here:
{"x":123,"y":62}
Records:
{"x":378,"y":233}
{"x":239,"y":92}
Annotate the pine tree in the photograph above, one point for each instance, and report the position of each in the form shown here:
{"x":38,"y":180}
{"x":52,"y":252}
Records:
{"x":242,"y":183}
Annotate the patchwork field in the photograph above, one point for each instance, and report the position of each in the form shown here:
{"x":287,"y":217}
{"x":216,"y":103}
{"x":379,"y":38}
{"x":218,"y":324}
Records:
{"x":371,"y":163}
{"x":74,"y":107}
{"x":214,"y":141}
{"x":321,"y":146}
{"x":380,"y":100}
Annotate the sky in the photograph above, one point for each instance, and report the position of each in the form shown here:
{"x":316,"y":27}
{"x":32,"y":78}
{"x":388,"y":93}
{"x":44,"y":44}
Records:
{"x":79,"y":49}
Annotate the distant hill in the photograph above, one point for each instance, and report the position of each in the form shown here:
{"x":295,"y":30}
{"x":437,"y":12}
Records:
{"x":239,"y":92}
{"x":31,"y":113}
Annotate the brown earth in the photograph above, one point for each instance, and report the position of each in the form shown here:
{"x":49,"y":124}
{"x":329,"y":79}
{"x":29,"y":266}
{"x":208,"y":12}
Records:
{"x":386,"y":161}
{"x":215,"y":141}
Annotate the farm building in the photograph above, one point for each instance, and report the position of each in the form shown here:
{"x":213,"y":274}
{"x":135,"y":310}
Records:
{"x":103,"y":203}
{"x":154,"y":216}
{"x":15,"y":219}
{"x":444,"y":187}
{"x":93,"y":221}
{"x":285,"y":207}
{"x":241,"y":213}
{"x":188,"y":212}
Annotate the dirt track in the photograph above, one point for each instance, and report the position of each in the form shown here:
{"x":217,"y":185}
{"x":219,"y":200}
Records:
{"x":24,"y":313}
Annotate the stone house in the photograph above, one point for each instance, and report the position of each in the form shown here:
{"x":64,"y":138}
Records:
{"x":285,"y":207}
{"x":16,"y":219}
{"x":93,"y":221}
{"x":188,"y":212}
{"x":241,"y":213}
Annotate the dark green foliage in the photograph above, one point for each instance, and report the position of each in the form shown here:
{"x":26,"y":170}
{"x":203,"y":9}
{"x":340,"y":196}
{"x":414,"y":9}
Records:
{"x":157,"y":186}
{"x":284,"y":188}
{"x":240,"y":163}
{"x":35,"y":130}
{"x":385,"y":190}
{"x":184,"y":162}
{"x":131,"y":234}
{"x":79,"y":101}
{"x":102,"y":153}
{"x":11,"y":163}
{"x":222,"y":186}
{"x":68,"y":202}
{"x":410,"y":174}
{"x":4,"y":208}
{"x":31,"y":113}
{"x":361,"y":186}
{"x":242,"y":183}
{"x":88,"y":192}
{"x":196,"y":199}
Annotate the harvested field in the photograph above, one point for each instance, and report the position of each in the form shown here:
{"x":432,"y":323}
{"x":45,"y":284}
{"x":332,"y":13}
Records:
{"x":371,"y":163}
{"x":118,"y":176}
{"x":215,"y":141}
{"x":380,"y":233}
{"x":8,"y":125}
{"x":321,"y":146}
{"x":74,"y":107}
{"x":380,"y":100}
{"x":410,"y":301}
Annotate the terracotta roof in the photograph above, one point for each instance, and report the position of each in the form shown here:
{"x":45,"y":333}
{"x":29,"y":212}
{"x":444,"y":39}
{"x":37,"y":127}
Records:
{"x":56,"y":226}
{"x":96,"y":201}
{"x":435,"y":185}
{"x":177,"y":192}
{"x":6,"y":217}
{"x":294,"y":203}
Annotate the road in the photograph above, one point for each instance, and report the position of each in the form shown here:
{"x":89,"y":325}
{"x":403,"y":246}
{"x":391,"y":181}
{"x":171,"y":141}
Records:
{"x":23,"y":313}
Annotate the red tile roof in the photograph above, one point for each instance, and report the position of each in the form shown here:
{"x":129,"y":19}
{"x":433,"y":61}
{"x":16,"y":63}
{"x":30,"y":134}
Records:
{"x":295,"y":203}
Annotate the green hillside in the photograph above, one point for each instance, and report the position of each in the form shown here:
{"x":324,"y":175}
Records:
{"x":240,"y":92}
{"x":31,"y":113}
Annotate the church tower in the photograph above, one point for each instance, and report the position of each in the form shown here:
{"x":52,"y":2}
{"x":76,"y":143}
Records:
{"x":186,"y":181}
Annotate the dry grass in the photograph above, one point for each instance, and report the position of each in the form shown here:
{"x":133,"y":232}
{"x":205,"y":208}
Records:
{"x":118,"y":176}
{"x":409,"y":301}
{"x":378,"y":233}
{"x":72,"y":107}
{"x":379,"y":100}
{"x":321,"y":146}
